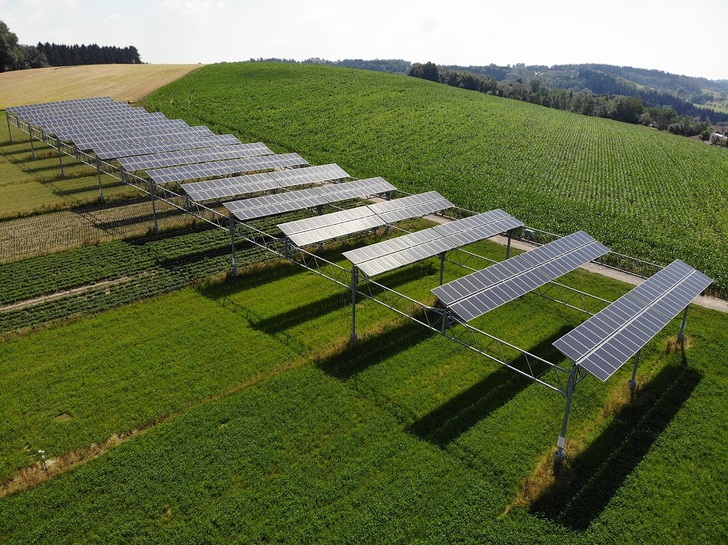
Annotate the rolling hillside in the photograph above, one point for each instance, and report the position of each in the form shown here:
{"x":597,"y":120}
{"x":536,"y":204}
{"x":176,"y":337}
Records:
{"x":641,"y":192}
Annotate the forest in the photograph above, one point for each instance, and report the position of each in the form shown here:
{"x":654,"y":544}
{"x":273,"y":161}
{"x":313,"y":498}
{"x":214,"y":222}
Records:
{"x":16,"y":56}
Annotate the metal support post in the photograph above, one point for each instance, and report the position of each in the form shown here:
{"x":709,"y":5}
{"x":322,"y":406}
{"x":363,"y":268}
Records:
{"x":10,"y":134}
{"x":60,"y":156}
{"x":508,"y":247}
{"x":319,"y":209}
{"x":681,"y":333}
{"x":152,"y":192}
{"x":32,"y":145}
{"x":633,"y":382}
{"x":561,"y":441}
{"x":287,"y":249}
{"x":445,"y":321}
{"x":354,"y":288}
{"x":98,"y":176}
{"x":442,"y":267}
{"x":234,"y":270}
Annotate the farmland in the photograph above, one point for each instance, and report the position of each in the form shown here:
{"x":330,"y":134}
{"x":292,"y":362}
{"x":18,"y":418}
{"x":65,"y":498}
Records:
{"x":641,"y":192}
{"x":174,"y":404}
{"x":128,"y":82}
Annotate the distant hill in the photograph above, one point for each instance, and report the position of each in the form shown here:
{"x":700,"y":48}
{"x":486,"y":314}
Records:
{"x":688,"y":96}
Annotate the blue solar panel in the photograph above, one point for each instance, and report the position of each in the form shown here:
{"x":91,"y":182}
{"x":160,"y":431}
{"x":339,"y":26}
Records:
{"x":606,"y":341}
{"x":489,"y":288}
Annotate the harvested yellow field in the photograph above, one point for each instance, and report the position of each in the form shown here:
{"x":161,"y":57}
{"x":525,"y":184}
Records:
{"x":129,"y":82}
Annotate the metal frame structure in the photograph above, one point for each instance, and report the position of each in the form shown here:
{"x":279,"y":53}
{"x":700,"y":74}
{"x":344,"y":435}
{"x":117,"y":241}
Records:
{"x":559,"y":378}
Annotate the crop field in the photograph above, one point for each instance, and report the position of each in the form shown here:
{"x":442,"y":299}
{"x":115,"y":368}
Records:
{"x":643,"y":193}
{"x":128,"y":82}
{"x":176,"y":404}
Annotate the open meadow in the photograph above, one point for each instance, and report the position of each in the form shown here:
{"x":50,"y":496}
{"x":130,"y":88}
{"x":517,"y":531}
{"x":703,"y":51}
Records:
{"x":175,"y":404}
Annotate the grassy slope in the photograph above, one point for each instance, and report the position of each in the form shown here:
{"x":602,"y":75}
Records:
{"x":119,"y":81}
{"x":406,"y":438}
{"x":641,"y":192}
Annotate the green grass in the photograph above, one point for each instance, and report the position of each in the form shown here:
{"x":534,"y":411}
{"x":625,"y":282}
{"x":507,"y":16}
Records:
{"x":641,"y":192}
{"x":33,"y":186}
{"x":269,"y":429}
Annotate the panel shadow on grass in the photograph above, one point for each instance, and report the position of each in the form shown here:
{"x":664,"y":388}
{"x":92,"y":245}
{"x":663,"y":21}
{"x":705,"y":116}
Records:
{"x":334,"y":302}
{"x":373,"y":350}
{"x":449,"y":421}
{"x":582,"y":491}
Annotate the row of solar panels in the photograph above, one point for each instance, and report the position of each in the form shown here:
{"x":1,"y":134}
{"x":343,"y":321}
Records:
{"x":114,"y":130}
{"x":170,"y":152}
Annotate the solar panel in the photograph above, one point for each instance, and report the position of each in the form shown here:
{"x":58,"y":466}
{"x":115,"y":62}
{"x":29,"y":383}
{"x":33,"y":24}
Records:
{"x":280,"y":203}
{"x":223,"y":168}
{"x":255,"y":183}
{"x":330,"y":226}
{"x":145,"y":146}
{"x":310,"y":175}
{"x":484,"y":290}
{"x":394,"y":253}
{"x":185,"y":157}
{"x":607,"y":340}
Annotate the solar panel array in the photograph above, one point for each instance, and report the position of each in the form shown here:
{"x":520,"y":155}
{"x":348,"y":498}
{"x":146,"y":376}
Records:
{"x":280,"y":203}
{"x":346,"y":222}
{"x":185,"y":157}
{"x":484,"y":290}
{"x":114,"y":129}
{"x":224,"y":168}
{"x":391,"y":254}
{"x":607,"y":340}
{"x":266,"y":181}
{"x":144,"y":146}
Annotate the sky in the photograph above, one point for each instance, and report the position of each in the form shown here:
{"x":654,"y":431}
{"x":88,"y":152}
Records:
{"x":670,"y":35}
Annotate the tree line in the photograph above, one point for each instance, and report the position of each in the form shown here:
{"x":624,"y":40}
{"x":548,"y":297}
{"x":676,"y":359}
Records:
{"x":627,"y":107}
{"x":16,"y":56}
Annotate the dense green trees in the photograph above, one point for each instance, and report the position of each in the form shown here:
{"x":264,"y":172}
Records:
{"x":15,"y":56}
{"x":627,"y":106}
{"x":8,"y":48}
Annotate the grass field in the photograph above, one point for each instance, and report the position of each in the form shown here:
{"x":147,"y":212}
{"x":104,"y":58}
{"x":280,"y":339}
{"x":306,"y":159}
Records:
{"x":129,"y":82}
{"x":256,"y":423}
{"x":641,"y":192}
{"x":236,"y":411}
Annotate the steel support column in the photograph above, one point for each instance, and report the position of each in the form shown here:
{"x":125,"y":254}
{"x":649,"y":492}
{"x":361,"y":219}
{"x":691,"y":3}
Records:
{"x":60,"y":156}
{"x":152,"y":193}
{"x":234,"y":270}
{"x":10,"y":134}
{"x":633,"y":381}
{"x":681,"y":333}
{"x":32,"y":145}
{"x":561,"y":441}
{"x":442,"y":267}
{"x":98,"y":176}
{"x":354,"y":288}
{"x":508,"y":246}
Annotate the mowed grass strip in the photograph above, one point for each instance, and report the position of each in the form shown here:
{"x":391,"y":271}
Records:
{"x":641,"y":192}
{"x":403,"y":437}
{"x":128,"y":82}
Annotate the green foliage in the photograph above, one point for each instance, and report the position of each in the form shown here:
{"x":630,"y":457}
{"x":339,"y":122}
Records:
{"x":643,"y":193}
